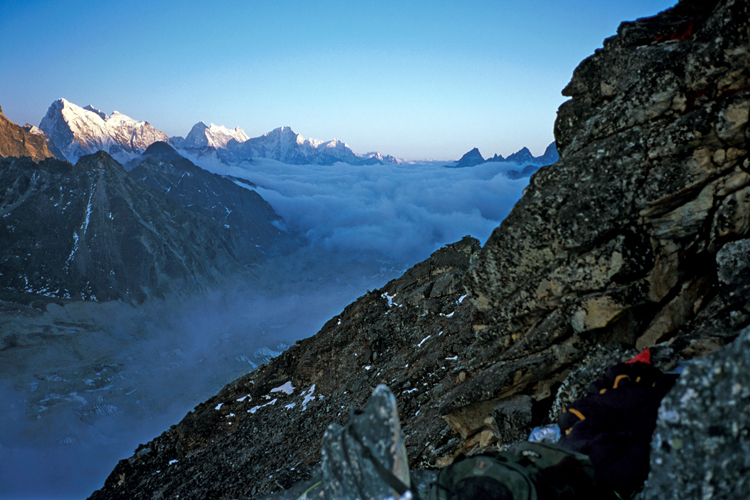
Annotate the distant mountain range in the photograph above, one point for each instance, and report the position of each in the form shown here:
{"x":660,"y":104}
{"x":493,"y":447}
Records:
{"x":286,"y":146}
{"x":134,"y":217}
{"x":78,"y":131}
{"x":74,"y":131}
{"x":522,"y":157}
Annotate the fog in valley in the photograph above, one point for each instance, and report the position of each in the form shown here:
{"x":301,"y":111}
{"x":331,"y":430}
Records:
{"x":396,"y":212}
{"x":83,"y":384}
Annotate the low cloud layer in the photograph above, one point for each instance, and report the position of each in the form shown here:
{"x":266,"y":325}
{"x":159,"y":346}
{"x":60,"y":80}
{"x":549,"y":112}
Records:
{"x":400,"y":212}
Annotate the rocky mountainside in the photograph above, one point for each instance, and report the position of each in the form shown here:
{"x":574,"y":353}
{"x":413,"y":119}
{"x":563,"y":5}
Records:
{"x":637,"y":237}
{"x":253,"y":226}
{"x":78,"y":131}
{"x":91,"y":231}
{"x":15,"y":141}
{"x":50,"y":145}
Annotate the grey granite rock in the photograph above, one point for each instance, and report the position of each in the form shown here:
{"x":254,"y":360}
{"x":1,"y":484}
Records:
{"x":701,"y":447}
{"x":733,"y":270}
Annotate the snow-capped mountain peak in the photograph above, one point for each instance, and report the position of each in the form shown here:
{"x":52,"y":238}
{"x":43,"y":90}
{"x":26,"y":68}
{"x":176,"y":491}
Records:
{"x":80,"y":131}
{"x":97,"y":111}
{"x":33,"y":129}
{"x":77,"y":131}
{"x":284,"y":145}
{"x":312,"y":143}
{"x":215,"y":136}
{"x":335,"y":144}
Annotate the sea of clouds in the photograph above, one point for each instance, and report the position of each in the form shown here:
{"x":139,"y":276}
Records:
{"x":401,"y":212}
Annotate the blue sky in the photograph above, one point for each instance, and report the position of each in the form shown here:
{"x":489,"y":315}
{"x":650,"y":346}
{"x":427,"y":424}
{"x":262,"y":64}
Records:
{"x":414,"y":79}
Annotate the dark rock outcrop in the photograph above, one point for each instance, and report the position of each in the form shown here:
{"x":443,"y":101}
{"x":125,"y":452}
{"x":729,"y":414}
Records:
{"x":701,"y":446}
{"x":92,"y":232}
{"x":15,"y":141}
{"x":616,"y":242}
{"x":253,"y":228}
{"x":613,"y":248}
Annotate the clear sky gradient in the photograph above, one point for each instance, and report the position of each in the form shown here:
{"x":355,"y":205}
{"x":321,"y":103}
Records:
{"x":414,"y":79}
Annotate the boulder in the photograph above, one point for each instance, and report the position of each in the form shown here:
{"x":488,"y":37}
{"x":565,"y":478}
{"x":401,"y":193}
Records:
{"x":701,"y":446}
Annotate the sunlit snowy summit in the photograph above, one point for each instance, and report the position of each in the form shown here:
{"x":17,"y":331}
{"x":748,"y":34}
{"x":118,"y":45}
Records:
{"x":78,"y":131}
{"x":214,"y":136}
{"x":285,"y":145}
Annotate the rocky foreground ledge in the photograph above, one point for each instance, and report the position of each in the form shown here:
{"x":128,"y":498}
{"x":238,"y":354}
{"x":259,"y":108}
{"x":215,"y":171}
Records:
{"x":636,"y":237}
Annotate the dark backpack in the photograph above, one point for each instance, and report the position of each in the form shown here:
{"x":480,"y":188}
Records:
{"x":614,"y":422}
{"x":535,"y":471}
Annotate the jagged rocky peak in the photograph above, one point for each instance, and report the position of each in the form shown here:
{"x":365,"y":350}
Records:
{"x":470,"y":159}
{"x":78,"y":131}
{"x":15,"y":141}
{"x":521,"y":156}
